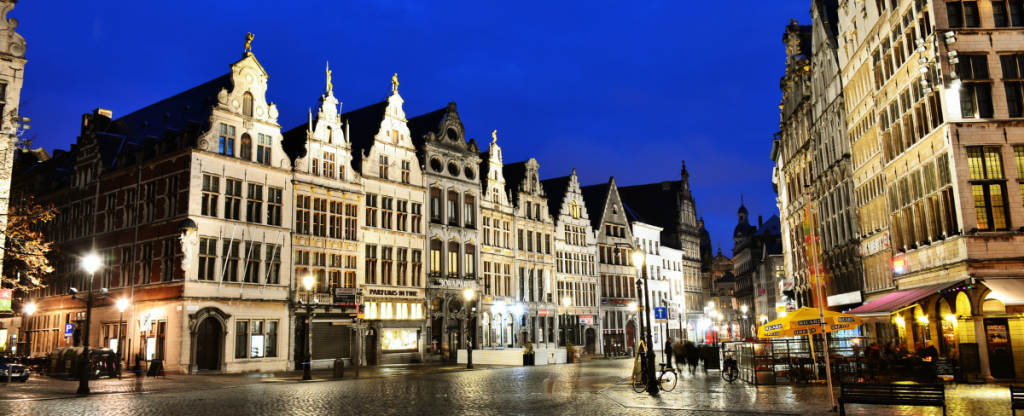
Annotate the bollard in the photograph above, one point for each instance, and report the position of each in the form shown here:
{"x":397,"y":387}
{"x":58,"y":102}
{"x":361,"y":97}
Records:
{"x":339,"y":368}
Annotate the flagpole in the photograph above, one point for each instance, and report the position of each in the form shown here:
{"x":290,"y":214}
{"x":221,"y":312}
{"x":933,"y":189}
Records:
{"x":818,"y":286}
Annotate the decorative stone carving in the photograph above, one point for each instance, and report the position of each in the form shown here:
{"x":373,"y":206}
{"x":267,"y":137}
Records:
{"x":15,"y":42}
{"x":222,"y":96}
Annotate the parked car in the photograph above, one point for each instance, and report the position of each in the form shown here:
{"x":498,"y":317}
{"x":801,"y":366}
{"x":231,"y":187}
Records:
{"x":9,"y":366}
{"x":63,"y":363}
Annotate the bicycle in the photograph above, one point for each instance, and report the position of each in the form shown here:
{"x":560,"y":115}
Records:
{"x":729,"y":371}
{"x":638,"y":380}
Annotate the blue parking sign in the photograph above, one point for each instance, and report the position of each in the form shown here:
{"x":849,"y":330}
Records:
{"x":69,"y":329}
{"x":660,"y":313}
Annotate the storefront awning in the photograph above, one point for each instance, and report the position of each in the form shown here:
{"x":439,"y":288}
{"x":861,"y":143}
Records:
{"x":896,"y":300}
{"x":1008,"y":291}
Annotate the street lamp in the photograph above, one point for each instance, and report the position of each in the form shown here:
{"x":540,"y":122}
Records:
{"x":29,"y":310}
{"x":310,"y":307}
{"x":468,"y":294}
{"x":640,"y":261}
{"x":122,"y":304}
{"x":90,"y":263}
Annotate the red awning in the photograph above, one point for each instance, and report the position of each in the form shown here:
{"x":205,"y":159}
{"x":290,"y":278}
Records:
{"x":896,"y":300}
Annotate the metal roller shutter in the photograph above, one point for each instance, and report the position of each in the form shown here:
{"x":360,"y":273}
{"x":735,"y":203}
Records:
{"x":330,"y":341}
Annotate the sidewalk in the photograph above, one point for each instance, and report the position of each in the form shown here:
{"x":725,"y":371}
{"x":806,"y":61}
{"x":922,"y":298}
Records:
{"x":47,"y":388}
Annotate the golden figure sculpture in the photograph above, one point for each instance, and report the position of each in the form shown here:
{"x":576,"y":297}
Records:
{"x":394,"y":82}
{"x":248,"y":42}
{"x":330,"y":87}
{"x":494,"y":135}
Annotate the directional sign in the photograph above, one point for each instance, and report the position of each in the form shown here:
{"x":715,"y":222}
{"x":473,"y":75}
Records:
{"x":660,"y":314}
{"x":69,"y":329}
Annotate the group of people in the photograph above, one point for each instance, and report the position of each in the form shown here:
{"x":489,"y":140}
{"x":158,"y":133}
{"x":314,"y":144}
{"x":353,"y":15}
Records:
{"x":685,"y":352}
{"x":925,"y":351}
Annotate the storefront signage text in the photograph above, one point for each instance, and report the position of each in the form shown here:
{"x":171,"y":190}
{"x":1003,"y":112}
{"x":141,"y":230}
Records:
{"x":455,"y":283}
{"x":395,"y":293}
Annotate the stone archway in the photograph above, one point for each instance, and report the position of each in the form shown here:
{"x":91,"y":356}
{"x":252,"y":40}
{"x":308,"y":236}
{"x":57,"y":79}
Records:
{"x":208,"y":333}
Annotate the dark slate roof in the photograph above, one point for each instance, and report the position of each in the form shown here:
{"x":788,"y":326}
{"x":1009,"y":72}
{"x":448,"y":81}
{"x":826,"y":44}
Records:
{"x":363,"y":125}
{"x":596,"y":198}
{"x":772,"y":248}
{"x":294,"y":141}
{"x":423,"y":125}
{"x":658,"y":207}
{"x":187,"y":111}
{"x":515,"y":175}
{"x":632,"y":215}
{"x":829,"y":14}
{"x":555,"y":188}
{"x":772,"y":227}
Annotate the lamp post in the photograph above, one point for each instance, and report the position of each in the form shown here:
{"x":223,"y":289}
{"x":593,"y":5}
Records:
{"x":468,"y":294}
{"x":29,"y":310}
{"x":743,"y":330}
{"x":636,"y":334}
{"x":640,"y":261}
{"x":90,"y":263}
{"x":121,"y":306}
{"x":310,"y":307}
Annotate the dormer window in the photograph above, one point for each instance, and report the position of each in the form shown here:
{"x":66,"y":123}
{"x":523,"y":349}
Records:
{"x":247,"y":104}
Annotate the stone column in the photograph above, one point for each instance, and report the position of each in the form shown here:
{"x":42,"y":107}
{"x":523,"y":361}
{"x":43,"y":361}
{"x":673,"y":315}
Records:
{"x":979,"y":336}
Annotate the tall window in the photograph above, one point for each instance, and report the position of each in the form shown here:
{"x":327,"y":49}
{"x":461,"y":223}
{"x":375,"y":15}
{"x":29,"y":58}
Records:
{"x":386,"y":211}
{"x":245,"y":152}
{"x":988,"y":186}
{"x":263,"y":146}
{"x":975,"y":97}
{"x":334,"y":227}
{"x":351,"y":222}
{"x":435,"y":257}
{"x":405,"y":171}
{"x":3,"y":98}
{"x":328,"y":164}
{"x":1013,"y":83}
{"x":962,"y":14}
{"x":470,"y":267}
{"x":453,"y":208}
{"x":252,"y":262}
{"x":469,"y":211}
{"x":417,"y":267}
{"x":453,"y":259}
{"x":319,"y":217}
{"x":146,"y":263}
{"x":274,"y":206}
{"x":371,"y":210}
{"x":233,"y":199}
{"x":1008,"y":13}
{"x":149,"y":201}
{"x":247,"y":104}
{"x":302,"y":213}
{"x":227,"y":140}
{"x":172,"y":197}
{"x":241,"y":338}
{"x":232,"y":258}
{"x":386,"y":265}
{"x":402,"y":276}
{"x":211,"y":192}
{"x":435,"y":205}
{"x":383,"y":167}
{"x":371,"y":265}
{"x":272,"y":265}
{"x":207,"y":258}
{"x":254,"y":204}
{"x":417,"y":217}
{"x":167,"y":264}
{"x":403,"y":216}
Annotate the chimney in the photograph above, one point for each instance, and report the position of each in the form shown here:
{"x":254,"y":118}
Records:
{"x":101,"y":119}
{"x":759,"y":222}
{"x":666,"y":185}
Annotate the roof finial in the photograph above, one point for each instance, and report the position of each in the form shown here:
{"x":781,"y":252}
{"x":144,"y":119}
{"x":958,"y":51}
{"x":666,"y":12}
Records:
{"x":248,"y":42}
{"x":573,"y":171}
{"x":394,"y":82}
{"x":741,"y":198}
{"x":330,"y":86}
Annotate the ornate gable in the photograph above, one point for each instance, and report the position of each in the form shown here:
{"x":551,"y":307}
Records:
{"x":247,"y":96}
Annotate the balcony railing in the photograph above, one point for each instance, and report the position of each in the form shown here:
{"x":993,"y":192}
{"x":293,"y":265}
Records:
{"x":314,"y":297}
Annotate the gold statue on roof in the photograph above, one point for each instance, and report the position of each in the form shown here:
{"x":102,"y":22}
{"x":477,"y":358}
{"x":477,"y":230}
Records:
{"x":494,"y":135}
{"x":248,"y":42}
{"x":394,"y":82}
{"x":330,"y":86}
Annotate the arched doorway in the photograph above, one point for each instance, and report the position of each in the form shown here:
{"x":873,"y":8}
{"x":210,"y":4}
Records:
{"x":591,"y":340}
{"x":208,"y":339}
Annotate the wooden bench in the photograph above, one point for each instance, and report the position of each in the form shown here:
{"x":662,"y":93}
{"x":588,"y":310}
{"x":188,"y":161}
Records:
{"x":1016,"y":399}
{"x":893,"y":395}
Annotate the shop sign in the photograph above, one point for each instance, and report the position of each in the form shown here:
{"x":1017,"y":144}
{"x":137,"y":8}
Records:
{"x":874,"y":246}
{"x":689,"y":326}
{"x":455,"y":284}
{"x":586,"y":319}
{"x":5,"y":299}
{"x":393,"y":293}
{"x":619,"y":302}
{"x":673,"y":324}
{"x":344,"y":296}
{"x":1015,"y":309}
{"x":542,"y":312}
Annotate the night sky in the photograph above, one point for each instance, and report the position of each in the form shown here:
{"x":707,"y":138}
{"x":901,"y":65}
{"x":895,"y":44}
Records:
{"x":627,"y":92}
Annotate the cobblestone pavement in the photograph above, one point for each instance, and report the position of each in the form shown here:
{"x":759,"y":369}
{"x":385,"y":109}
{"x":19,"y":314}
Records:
{"x":595,"y":387}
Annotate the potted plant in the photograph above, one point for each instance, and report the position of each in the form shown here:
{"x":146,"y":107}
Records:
{"x":570,"y":353}
{"x":529,"y":355}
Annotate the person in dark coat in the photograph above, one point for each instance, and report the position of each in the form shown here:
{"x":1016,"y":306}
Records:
{"x":679,"y":349}
{"x":666,"y":352}
{"x":692,"y":356}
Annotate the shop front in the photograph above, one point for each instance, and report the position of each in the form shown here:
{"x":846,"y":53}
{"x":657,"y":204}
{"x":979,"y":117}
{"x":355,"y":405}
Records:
{"x":395,"y":325}
{"x":452,"y":317}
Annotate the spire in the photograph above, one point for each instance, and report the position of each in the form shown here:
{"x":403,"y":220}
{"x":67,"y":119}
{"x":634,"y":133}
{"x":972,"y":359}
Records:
{"x":719,"y":248}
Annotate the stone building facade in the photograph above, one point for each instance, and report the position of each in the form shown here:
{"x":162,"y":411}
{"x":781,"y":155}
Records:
{"x":498,"y":252}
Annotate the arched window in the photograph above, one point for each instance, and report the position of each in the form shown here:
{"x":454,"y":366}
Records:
{"x":575,"y":210}
{"x":330,"y":135}
{"x":246,"y":150}
{"x":247,"y":104}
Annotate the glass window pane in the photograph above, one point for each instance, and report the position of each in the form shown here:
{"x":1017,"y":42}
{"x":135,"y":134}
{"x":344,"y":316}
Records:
{"x":993,"y":163}
{"x":980,"y":208}
{"x":998,"y":206}
{"x":975,"y":162}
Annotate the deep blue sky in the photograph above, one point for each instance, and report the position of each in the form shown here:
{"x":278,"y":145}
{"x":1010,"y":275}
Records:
{"x":611,"y":88}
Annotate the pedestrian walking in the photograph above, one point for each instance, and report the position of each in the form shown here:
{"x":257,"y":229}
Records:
{"x":666,"y":352}
{"x":679,"y":349}
{"x":692,"y":356}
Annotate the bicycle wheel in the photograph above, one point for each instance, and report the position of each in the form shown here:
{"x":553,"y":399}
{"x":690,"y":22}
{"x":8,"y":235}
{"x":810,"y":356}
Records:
{"x":639,"y":383}
{"x":668,"y":380}
{"x":730,"y":374}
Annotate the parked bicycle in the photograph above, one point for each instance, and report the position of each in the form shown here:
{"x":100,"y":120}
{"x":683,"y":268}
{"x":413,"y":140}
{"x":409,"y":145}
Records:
{"x":729,"y":370}
{"x":639,"y":380}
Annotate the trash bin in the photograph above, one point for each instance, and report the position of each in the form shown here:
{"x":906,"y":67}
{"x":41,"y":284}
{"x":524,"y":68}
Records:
{"x":339,"y":368}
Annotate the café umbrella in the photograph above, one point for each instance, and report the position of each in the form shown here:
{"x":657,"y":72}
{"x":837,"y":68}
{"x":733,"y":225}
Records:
{"x":807,"y":321}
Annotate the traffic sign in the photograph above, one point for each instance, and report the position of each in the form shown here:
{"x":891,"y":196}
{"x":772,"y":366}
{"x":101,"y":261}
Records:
{"x":660,"y":314}
{"x":69,"y":329}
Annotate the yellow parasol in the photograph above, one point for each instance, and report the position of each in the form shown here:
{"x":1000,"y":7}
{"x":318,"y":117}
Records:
{"x":807,"y":321}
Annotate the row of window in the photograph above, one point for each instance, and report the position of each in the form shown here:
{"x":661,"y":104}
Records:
{"x":393,"y":310}
{"x":232,"y":195}
{"x":575,"y":263}
{"x":452,"y":264}
{"x":326,"y":218}
{"x":1004,"y":13}
{"x":255,"y":338}
{"x":496,"y":232}
{"x":581,"y":293}
{"x":613,"y":286}
{"x":451,"y":208}
{"x":498,"y":279}
{"x":259,"y":263}
{"x":530,"y":238}
{"x":262,"y":148}
{"x":614,"y":255}
{"x":386,"y":207}
{"x":396,"y":273}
